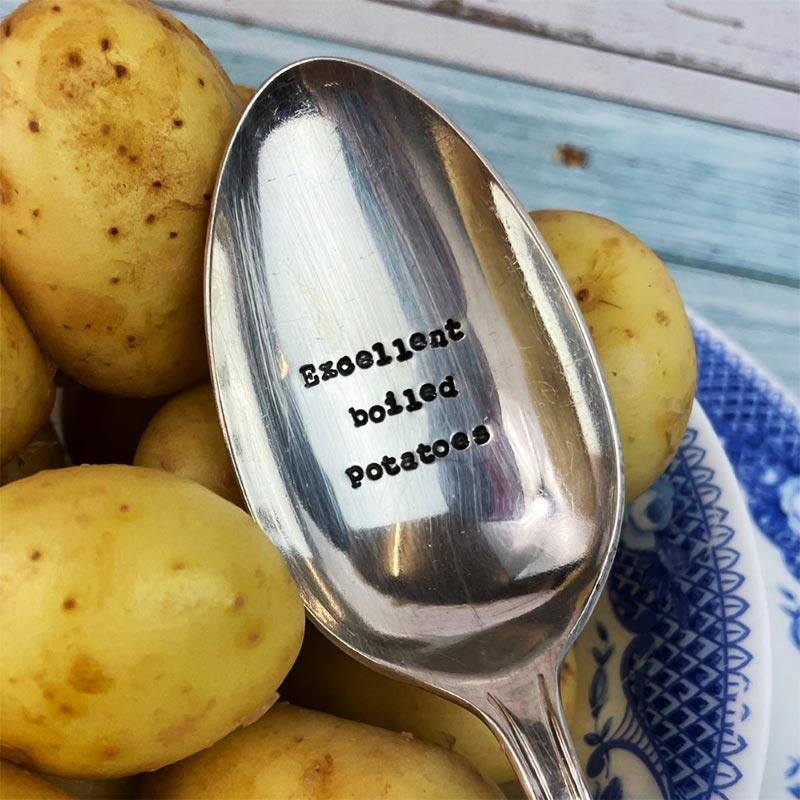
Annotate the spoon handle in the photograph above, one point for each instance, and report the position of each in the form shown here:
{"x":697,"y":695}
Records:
{"x":528,"y":722}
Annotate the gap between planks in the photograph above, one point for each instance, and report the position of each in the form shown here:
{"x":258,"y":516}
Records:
{"x":524,"y":57}
{"x":750,"y":40}
{"x":701,"y":194}
{"x":720,"y":205}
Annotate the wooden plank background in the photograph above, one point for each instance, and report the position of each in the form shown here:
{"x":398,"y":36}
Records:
{"x":752,"y":40}
{"x":695,"y":60}
{"x":720,"y":205}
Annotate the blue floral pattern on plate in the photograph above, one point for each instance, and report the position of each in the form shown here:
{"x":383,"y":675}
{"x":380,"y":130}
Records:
{"x":759,"y":427}
{"x":758,"y":423}
{"x":670,"y":699}
{"x":684,"y":667}
{"x":661,"y":711}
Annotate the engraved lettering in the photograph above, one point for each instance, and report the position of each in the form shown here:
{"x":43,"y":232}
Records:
{"x":423,"y":454}
{"x":328,"y":371}
{"x":359,"y":416}
{"x":438,"y":339}
{"x":480,"y":435}
{"x":345,"y":366}
{"x":447,"y":388}
{"x":460,"y":441}
{"x":453,"y":329}
{"x":392,"y":406}
{"x":403,"y":353}
{"x":308,"y":371}
{"x":383,"y":359}
{"x":390,"y":465}
{"x":440,"y":448}
{"x":406,"y":348}
{"x":364,"y":359}
{"x":418,"y":341}
{"x":427,"y":392}
{"x":408,"y":462}
{"x":396,"y":402}
{"x":413,"y":403}
{"x":377,"y":413}
{"x":356,"y":475}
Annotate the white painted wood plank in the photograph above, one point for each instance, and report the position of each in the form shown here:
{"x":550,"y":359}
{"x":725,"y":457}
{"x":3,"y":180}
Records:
{"x":720,"y":205}
{"x":756,"y":40}
{"x":520,"y":56}
{"x":703,"y":195}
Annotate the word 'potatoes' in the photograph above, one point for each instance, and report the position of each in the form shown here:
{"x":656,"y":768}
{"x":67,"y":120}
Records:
{"x":411,"y":459}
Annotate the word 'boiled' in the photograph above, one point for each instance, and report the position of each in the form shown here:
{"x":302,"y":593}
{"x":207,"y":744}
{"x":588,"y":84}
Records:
{"x":410,"y":460}
{"x":390,"y":406}
{"x":364,"y":359}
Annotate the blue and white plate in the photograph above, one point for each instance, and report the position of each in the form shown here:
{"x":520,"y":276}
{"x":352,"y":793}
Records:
{"x":675,"y":666}
{"x":758,"y":423}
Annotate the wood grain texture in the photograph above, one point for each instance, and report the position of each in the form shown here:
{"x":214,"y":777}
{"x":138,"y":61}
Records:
{"x":702,"y":195}
{"x":720,"y":205}
{"x":753,"y":40}
{"x":510,"y":53}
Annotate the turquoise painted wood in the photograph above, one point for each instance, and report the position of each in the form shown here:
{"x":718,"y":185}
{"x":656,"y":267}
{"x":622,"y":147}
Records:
{"x":720,"y":205}
{"x":660,"y":174}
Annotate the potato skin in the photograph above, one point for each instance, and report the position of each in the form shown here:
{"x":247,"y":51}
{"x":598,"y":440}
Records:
{"x":185,"y":437}
{"x":26,"y":382}
{"x":19,"y":784}
{"x":114,"y":120}
{"x":245,"y":93}
{"x":326,"y":679}
{"x":149,"y":618}
{"x":640,"y":330}
{"x":295,"y":753}
{"x":43,"y":451}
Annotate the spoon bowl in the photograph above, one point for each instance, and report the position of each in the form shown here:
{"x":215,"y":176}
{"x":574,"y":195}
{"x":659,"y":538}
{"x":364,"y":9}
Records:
{"x":413,"y":405}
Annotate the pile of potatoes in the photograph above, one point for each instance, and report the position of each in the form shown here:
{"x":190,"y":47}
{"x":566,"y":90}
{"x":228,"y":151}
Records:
{"x":149,"y":627}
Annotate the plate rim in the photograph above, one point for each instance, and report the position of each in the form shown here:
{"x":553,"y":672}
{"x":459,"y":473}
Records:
{"x":781,"y":774}
{"x":753,"y":728}
{"x":788,"y":398}
{"x":749,"y":563}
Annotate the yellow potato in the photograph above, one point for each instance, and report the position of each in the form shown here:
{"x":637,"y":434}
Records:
{"x":295,"y":753}
{"x":144,"y":619}
{"x":26,"y":382}
{"x":185,"y":437}
{"x":43,"y":451}
{"x":19,"y":784}
{"x":245,"y":92}
{"x":114,"y":119}
{"x":326,"y":679}
{"x":640,"y":330}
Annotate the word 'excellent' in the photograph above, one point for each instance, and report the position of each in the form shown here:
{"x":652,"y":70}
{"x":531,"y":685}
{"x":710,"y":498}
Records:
{"x":378,"y":356}
{"x":424,"y":454}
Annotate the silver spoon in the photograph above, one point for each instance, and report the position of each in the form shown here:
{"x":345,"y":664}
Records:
{"x":412,"y":402}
